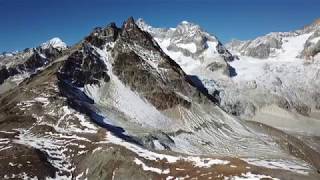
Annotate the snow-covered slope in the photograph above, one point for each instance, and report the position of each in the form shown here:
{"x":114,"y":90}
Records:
{"x":269,"y":70}
{"x":282,"y":67}
{"x":300,"y":43}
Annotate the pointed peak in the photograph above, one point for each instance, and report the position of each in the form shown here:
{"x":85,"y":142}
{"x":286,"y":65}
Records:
{"x":188,"y":24}
{"x":316,"y":22}
{"x":112,"y":24}
{"x":129,"y":24}
{"x":55,"y":43}
{"x":143,"y":25}
{"x":130,"y":20}
{"x":140,"y":20}
{"x":185,"y":22}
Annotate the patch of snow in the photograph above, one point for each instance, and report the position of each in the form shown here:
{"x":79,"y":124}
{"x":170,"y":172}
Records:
{"x":250,"y":176}
{"x":86,"y":126}
{"x":157,"y":145}
{"x":184,"y":22}
{"x":206,"y":162}
{"x":54,"y":149}
{"x":146,"y":154}
{"x":78,"y":177}
{"x":152,"y":169}
{"x":315,"y":40}
{"x":42,"y":100}
{"x":292,"y":46}
{"x":188,"y":46}
{"x":22,"y":175}
{"x":42,"y":56}
{"x":17,"y":79}
{"x":280,"y":164}
{"x":96,"y":149}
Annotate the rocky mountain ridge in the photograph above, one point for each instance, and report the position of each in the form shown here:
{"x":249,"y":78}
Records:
{"x":271,"y":45}
{"x":17,"y":66}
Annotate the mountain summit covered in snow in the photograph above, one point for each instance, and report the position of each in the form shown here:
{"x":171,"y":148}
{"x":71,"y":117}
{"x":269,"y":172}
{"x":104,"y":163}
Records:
{"x":138,"y":102}
{"x":54,"y":43}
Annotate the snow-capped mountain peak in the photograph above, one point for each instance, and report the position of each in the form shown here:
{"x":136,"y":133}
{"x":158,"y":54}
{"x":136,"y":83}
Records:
{"x":55,"y":43}
{"x":191,"y":46}
{"x":188,"y":24}
{"x":142,"y":24}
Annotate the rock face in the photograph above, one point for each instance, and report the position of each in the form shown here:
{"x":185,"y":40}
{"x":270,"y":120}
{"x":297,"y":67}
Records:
{"x":136,"y":73}
{"x":115,"y":106}
{"x":263,"y":47}
{"x":84,"y":66}
{"x":151,"y":79}
{"x":312,"y":45}
{"x":29,"y":60}
{"x":101,"y":36}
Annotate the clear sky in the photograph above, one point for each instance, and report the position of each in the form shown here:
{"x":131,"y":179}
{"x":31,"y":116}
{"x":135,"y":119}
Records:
{"x":27,"y":23}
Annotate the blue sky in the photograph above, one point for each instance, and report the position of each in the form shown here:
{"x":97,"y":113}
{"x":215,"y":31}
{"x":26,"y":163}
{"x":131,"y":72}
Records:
{"x":27,"y":23}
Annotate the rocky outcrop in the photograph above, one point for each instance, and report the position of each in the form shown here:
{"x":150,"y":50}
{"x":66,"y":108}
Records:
{"x":131,"y":33}
{"x":84,"y":66}
{"x":137,"y":74}
{"x":222,"y":50}
{"x":101,"y":36}
{"x":312,"y":46}
{"x":262,"y":47}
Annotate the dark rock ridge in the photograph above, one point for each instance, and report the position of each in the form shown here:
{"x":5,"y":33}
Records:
{"x":133,"y":71}
{"x":84,"y":66}
{"x":222,"y":50}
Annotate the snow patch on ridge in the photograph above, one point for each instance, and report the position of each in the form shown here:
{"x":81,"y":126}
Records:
{"x":280,"y":164}
{"x":251,"y":176}
{"x":188,"y":46}
{"x":149,"y":155}
{"x":152,"y":169}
